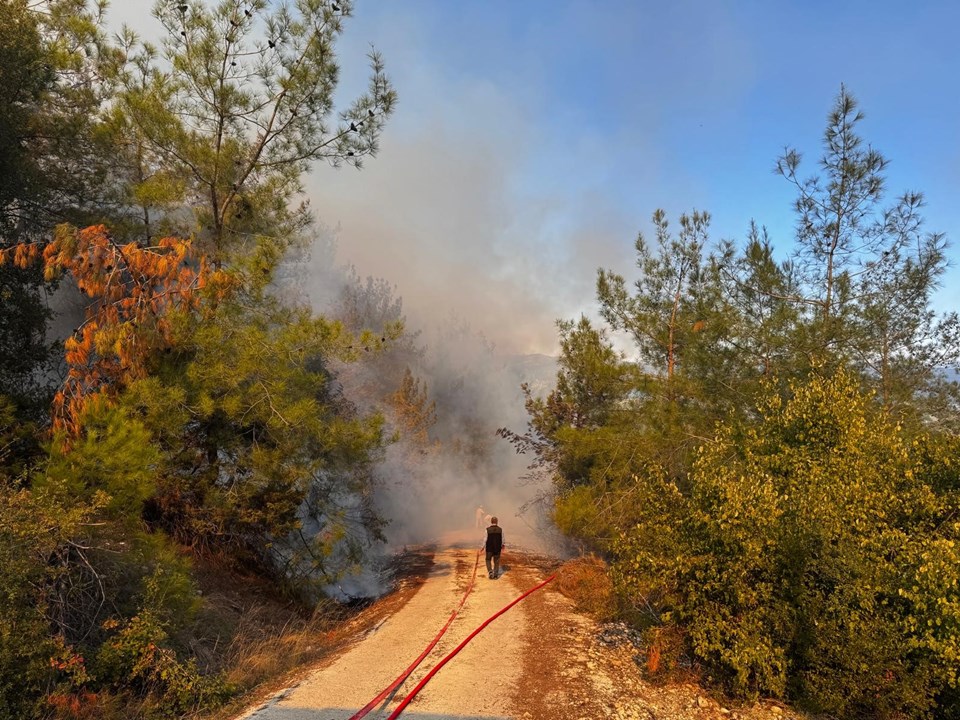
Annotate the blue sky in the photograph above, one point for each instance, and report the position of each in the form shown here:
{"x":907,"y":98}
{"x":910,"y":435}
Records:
{"x":532,"y":140}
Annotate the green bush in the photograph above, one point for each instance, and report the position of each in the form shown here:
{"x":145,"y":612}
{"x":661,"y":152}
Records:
{"x":90,"y":602}
{"x":138,"y":660}
{"x":28,"y":534}
{"x":810,"y":558}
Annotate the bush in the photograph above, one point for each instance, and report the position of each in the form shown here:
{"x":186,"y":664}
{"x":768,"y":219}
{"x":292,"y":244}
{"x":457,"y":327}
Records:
{"x":138,"y":660}
{"x":809,"y":559}
{"x":72,"y":549}
{"x":27,"y":535}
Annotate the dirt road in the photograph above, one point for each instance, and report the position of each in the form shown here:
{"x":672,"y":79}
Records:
{"x":539,"y":661}
{"x":479,"y":683}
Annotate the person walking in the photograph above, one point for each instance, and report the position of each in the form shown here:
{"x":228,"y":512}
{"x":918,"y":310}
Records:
{"x":494,"y":546}
{"x":481,"y":513}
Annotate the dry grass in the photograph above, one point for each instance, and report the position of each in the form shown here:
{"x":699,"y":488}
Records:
{"x":259,"y":652}
{"x":261,"y":642}
{"x":261,"y":655}
{"x":585,"y":581}
{"x":252,"y":635}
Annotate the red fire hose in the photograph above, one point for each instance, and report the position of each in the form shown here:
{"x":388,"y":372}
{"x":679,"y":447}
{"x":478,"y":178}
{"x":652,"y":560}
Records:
{"x":406,"y":673}
{"x":450,"y":656}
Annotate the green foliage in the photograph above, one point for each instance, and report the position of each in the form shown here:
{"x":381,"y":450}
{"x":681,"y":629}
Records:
{"x":257,"y":83}
{"x":113,"y":459}
{"x":249,"y":422}
{"x":802,"y":561}
{"x":19,"y":445}
{"x":592,"y":382}
{"x":867,"y":272}
{"x":74,"y":562}
{"x":773,"y":473}
{"x":762,"y":294}
{"x":576,"y":513}
{"x":54,"y":75}
{"x":237,"y":438}
{"x":682,"y":324}
{"x":25,"y":75}
{"x":674,"y":309}
{"x":54,"y":70}
{"x":137,"y":659}
{"x":24,"y":350}
{"x":33,"y":528}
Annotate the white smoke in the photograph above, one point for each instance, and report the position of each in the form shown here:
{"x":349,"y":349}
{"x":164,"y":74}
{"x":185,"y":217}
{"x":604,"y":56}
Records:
{"x":429,"y":491}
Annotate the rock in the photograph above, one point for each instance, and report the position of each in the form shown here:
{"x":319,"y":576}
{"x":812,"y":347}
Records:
{"x":776,"y":710}
{"x":618,"y":633}
{"x":702,"y":702}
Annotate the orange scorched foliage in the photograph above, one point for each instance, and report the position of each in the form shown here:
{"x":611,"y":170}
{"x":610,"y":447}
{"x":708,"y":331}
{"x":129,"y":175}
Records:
{"x":74,"y":705}
{"x":134,"y":291}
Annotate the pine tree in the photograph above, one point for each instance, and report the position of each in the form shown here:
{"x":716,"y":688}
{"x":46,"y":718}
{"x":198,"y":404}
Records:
{"x":226,"y":117}
{"x":868,"y":272}
{"x":665,"y":313}
{"x":680,"y":322}
{"x":763,"y":293}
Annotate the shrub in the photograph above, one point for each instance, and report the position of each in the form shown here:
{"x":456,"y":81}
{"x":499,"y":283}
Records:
{"x":809,"y":559}
{"x":72,"y":549}
{"x":34,"y":528}
{"x":27,"y":535}
{"x":138,"y":660}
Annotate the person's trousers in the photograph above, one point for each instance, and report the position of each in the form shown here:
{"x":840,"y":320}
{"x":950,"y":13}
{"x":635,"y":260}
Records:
{"x":496,"y":563}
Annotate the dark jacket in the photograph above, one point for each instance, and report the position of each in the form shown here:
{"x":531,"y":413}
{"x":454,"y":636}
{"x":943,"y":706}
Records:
{"x":494,"y":539}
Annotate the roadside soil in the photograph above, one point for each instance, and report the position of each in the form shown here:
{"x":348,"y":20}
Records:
{"x":540,"y":660}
